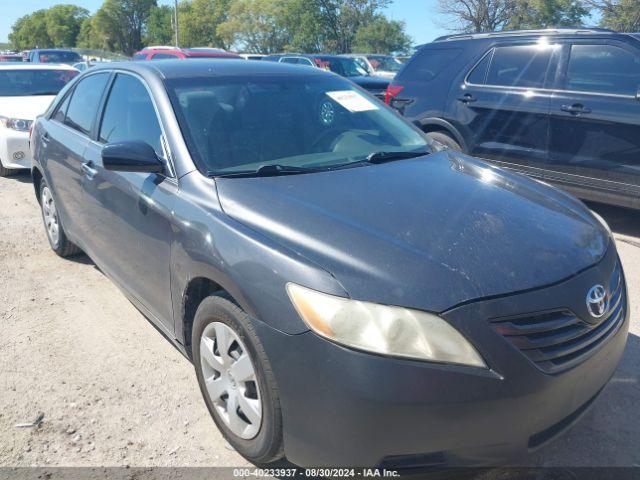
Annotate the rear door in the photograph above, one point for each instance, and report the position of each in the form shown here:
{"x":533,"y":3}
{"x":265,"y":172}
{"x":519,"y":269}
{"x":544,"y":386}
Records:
{"x":130,"y":212}
{"x":595,"y":117}
{"x":64,"y":140}
{"x":502,"y":107}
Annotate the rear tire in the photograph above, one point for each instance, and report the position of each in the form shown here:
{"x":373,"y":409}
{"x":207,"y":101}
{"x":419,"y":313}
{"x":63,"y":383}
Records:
{"x":256,"y":436}
{"x":53,"y":228}
{"x":445,"y":139}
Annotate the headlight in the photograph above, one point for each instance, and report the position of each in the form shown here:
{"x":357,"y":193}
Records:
{"x":387,"y":330}
{"x":16,"y":124}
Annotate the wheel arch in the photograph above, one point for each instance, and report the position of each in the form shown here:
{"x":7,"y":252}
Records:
{"x":440,"y":125}
{"x":36,"y":178}
{"x":196,"y":290}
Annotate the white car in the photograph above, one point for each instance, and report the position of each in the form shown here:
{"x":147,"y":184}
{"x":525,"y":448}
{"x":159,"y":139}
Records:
{"x":385,"y":66}
{"x":25,"y":92}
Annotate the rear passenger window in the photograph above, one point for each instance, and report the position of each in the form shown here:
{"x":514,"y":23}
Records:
{"x":129,"y":114}
{"x":429,"y":63}
{"x":520,"y":66}
{"x":603,"y":69}
{"x":84,"y":102}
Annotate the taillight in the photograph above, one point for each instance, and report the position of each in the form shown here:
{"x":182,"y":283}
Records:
{"x":392,"y":92}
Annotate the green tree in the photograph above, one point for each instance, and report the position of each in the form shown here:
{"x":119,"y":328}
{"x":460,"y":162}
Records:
{"x":547,"y":14}
{"x":477,"y":15}
{"x":343,"y":18}
{"x":256,"y":26}
{"x":199,"y":21}
{"x":30,"y":31}
{"x":620,"y":15}
{"x":122,"y":23}
{"x":382,"y":36}
{"x":63,"y":24}
{"x":303,"y":20}
{"x":160,"y":30}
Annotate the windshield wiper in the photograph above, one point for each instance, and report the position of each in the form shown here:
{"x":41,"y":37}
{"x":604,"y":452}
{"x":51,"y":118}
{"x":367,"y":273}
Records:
{"x":271,"y":170}
{"x":44,"y":93}
{"x":383,"y":157}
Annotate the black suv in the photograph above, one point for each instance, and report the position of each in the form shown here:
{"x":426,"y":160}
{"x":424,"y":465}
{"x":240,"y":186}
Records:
{"x":560,"y":105}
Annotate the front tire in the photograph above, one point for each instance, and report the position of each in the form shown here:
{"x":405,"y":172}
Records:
{"x":236,"y":380}
{"x":55,"y":233}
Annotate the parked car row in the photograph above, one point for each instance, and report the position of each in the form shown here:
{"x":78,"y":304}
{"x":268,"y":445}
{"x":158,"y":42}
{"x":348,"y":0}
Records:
{"x":562,"y":105}
{"x":342,"y":65}
{"x":25,"y":92}
{"x":350,"y":292}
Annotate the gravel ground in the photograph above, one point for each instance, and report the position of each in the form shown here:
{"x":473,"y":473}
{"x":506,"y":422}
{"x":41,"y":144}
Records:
{"x":114,"y":392}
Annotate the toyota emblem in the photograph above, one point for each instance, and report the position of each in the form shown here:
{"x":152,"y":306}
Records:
{"x":597,"y":301}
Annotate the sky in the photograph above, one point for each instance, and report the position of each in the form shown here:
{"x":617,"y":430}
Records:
{"x":419,"y":15}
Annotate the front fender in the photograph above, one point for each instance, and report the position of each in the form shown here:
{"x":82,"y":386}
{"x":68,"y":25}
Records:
{"x":252,"y":268}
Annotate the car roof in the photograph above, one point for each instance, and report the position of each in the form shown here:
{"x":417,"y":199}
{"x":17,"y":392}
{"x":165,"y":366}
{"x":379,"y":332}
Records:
{"x":525,"y":33}
{"x":175,"y":69}
{"x":36,"y":66}
{"x":40,"y":50}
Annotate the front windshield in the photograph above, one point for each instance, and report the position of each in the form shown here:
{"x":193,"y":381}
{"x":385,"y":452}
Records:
{"x":59,"y":57}
{"x":385,"y":63}
{"x":19,"y":83}
{"x":313,"y":121}
{"x":343,"y":66}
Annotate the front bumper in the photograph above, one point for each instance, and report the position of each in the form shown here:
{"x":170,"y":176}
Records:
{"x":341,"y":407}
{"x":14,"y":149}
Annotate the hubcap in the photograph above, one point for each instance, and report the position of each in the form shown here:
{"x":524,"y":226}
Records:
{"x":50,"y":215}
{"x":231,"y":380}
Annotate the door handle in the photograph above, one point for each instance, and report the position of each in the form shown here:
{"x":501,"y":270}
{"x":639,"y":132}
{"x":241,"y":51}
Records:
{"x":467,"y":98}
{"x":45,"y":138}
{"x":88,"y":170}
{"x":575,"y":109}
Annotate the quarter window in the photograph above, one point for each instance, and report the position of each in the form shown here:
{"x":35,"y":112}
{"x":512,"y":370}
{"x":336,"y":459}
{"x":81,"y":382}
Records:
{"x":84,"y":102}
{"x":428,"y":64}
{"x":129,"y":114}
{"x":62,"y":110}
{"x":603,"y":69}
{"x":520,"y":66}
{"x":479,"y":73}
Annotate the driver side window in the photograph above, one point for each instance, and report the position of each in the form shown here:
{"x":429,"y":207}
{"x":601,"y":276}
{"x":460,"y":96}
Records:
{"x":130,"y":115}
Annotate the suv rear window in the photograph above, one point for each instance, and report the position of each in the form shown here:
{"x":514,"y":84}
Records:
{"x":519,"y":66}
{"x":603,"y":69}
{"x":429,"y":63}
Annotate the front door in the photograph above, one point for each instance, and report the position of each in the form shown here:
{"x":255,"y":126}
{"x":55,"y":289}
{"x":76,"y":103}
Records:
{"x":130,"y":212}
{"x":595,"y":117}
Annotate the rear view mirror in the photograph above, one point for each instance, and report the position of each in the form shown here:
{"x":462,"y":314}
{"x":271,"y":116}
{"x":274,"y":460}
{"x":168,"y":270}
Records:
{"x":132,"y":156}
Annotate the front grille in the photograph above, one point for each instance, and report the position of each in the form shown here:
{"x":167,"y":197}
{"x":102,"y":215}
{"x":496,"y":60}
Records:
{"x":558,"y":340}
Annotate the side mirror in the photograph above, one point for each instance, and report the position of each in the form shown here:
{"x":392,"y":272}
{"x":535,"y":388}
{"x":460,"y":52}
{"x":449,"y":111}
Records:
{"x":132,"y":156}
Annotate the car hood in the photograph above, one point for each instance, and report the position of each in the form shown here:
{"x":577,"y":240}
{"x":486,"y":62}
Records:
{"x":427,"y":233}
{"x":25,"y":108}
{"x":371,"y":83}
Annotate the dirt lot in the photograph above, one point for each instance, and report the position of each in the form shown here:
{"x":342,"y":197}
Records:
{"x":114,"y":392}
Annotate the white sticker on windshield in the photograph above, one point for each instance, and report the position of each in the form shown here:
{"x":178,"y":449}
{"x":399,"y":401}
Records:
{"x":352,"y":101}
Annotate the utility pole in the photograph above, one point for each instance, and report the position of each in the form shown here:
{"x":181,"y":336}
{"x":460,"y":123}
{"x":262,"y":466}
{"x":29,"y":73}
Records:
{"x":176,"y":23}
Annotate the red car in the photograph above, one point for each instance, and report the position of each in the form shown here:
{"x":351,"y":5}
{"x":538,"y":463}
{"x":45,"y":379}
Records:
{"x":168,"y":53}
